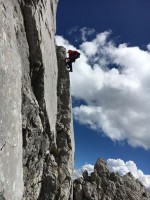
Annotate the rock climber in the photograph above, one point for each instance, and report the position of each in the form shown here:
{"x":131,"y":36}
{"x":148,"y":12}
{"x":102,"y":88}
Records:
{"x":73,"y":55}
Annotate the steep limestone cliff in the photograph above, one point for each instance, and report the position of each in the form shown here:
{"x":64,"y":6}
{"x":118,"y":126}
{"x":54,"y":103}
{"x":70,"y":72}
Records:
{"x":36,"y":134}
{"x":11,"y":63}
{"x":36,"y":131}
{"x":57,"y":177}
{"x":104,"y":185}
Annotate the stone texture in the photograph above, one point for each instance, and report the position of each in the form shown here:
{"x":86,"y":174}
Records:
{"x":35,"y":105}
{"x":58,"y":169}
{"x":39,"y":107}
{"x":65,"y":135}
{"x":104,"y":185}
{"x":11,"y":178}
{"x":48,"y":164}
{"x":48,"y":167}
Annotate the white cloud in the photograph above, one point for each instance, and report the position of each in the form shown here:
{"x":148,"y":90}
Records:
{"x":62,"y":42}
{"x":148,"y":47}
{"x":117,"y":100}
{"x":118,"y":165}
{"x":87,"y":167}
{"x":87,"y":113}
{"x":122,"y":168}
{"x":86,"y":32}
{"x":91,"y":48}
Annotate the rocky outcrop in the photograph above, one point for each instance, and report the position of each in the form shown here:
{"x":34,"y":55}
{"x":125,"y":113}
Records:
{"x":104,"y":185}
{"x":59,"y":163}
{"x":36,"y":136}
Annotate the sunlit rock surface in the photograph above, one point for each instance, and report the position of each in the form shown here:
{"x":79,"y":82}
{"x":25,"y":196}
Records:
{"x":105,"y":185}
{"x":36,"y":133}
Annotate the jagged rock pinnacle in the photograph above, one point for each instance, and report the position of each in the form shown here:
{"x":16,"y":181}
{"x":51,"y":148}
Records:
{"x":104,"y":185}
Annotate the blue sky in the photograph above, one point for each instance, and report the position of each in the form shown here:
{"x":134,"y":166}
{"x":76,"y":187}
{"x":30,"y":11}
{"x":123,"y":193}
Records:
{"x":129,"y":20}
{"x":120,"y":21}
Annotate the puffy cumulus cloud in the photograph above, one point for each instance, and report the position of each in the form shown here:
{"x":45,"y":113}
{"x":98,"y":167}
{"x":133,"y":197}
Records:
{"x":78,"y":172}
{"x":114,"y":82}
{"x":84,"y":114}
{"x":91,"y":48}
{"x":118,"y":165}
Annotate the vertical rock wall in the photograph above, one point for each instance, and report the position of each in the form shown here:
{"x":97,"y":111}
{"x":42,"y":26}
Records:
{"x":65,"y":136}
{"x":11,"y":179}
{"x":59,"y":164}
{"x":36,"y":136}
{"x":39,"y":108}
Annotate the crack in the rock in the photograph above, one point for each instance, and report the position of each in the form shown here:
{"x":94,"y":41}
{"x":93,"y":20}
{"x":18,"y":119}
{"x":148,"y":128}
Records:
{"x":37,"y":71}
{"x":3,"y":146}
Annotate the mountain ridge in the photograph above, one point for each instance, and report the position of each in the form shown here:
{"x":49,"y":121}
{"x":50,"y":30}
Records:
{"x":105,"y":185}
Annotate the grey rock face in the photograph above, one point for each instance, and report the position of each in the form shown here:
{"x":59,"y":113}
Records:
{"x":35,"y":105}
{"x":65,"y":135}
{"x":11,"y":178}
{"x":58,"y":170}
{"x":46,"y":109}
{"x":48,"y":164}
{"x":104,"y":185}
{"x":39,"y":90}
